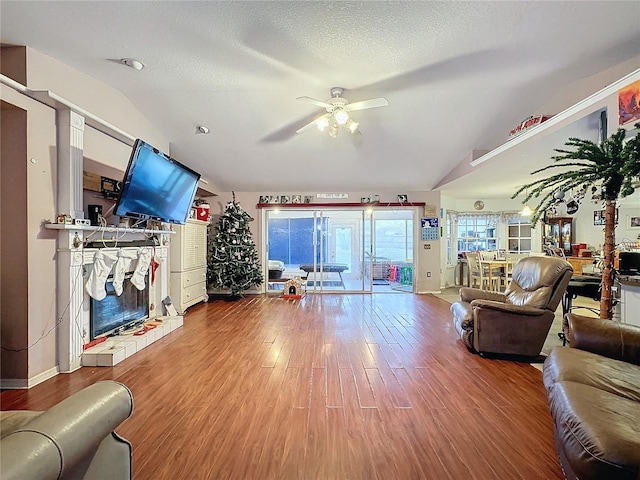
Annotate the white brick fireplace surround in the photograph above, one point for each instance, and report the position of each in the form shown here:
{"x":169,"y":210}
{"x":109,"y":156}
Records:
{"x":117,"y":348}
{"x":73,"y":259}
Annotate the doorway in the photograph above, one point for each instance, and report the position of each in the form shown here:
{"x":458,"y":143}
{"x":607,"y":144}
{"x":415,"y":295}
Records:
{"x":354,"y":250}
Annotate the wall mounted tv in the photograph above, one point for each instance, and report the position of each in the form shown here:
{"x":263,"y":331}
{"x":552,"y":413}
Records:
{"x":156,"y":187}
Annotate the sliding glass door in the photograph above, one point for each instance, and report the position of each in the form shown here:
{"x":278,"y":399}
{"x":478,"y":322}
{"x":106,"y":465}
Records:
{"x":392,"y":249}
{"x":340,"y":250}
{"x":323,"y":247}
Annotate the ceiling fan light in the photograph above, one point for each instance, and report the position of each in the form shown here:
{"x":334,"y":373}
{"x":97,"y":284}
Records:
{"x":341,"y":117}
{"x":333,"y":130}
{"x":322,"y":123}
{"x":352,"y":126}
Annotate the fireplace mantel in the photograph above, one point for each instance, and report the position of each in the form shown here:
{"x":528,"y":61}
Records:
{"x":107,"y":229}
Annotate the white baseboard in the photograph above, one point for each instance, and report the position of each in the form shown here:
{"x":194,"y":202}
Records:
{"x":25,"y":383}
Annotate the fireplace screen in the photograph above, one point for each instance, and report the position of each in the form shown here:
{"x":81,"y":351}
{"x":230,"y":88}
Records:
{"x":119,"y":312}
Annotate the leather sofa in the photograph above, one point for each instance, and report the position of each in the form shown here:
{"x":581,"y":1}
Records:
{"x":593,"y":388}
{"x":73,"y":440}
{"x":517,"y":321}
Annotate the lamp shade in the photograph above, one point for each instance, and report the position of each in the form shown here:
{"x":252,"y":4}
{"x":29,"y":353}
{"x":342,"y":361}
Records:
{"x":526,"y":211}
{"x":341,"y":117}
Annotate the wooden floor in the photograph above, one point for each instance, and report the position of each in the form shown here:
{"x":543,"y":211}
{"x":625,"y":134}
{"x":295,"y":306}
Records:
{"x":327,"y":387}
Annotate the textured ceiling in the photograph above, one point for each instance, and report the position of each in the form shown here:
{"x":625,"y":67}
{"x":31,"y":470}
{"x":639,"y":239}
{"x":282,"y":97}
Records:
{"x":458,"y":76}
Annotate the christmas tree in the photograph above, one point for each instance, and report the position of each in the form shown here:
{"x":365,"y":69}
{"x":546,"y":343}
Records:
{"x":232,"y":255}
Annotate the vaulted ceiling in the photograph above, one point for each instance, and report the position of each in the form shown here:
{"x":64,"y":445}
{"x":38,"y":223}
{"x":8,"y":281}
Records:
{"x":458,"y":77}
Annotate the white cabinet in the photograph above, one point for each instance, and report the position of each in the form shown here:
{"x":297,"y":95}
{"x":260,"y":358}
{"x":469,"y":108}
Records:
{"x":189,"y":264}
{"x":630,"y":299}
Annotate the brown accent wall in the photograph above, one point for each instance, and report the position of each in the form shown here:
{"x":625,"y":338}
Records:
{"x":14,"y":307}
{"x":13,"y":63}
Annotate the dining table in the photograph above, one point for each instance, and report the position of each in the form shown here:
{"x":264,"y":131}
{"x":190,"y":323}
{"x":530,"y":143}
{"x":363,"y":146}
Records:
{"x":492,"y":265}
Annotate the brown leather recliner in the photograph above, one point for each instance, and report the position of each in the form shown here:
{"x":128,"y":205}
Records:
{"x":593,"y":390}
{"x":517,"y":321}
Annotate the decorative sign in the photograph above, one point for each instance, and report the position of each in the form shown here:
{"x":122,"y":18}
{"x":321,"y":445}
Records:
{"x":332,"y":195}
{"x":430,"y":211}
{"x":429,"y":227}
{"x":528,"y":123}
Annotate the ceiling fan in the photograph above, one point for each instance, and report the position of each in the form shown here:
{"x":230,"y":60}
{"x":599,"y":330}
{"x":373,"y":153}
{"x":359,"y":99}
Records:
{"x":338,"y":109}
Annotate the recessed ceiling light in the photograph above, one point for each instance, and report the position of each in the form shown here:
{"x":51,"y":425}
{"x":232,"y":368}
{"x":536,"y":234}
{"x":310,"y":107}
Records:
{"x":133,"y":63}
{"x":202,"y":129}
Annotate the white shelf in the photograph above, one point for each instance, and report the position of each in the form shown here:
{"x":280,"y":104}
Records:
{"x":562,"y":119}
{"x":93,"y":228}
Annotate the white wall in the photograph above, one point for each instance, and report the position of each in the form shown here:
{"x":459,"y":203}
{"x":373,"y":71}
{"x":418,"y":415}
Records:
{"x":584,"y":229}
{"x":425,"y":260}
{"x":38,"y":260}
{"x":593,"y":236}
{"x":44,"y":73}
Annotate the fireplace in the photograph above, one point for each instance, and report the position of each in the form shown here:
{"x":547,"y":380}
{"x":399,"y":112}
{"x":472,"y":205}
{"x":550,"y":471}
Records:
{"x":101,"y":318}
{"x":115,"y":313}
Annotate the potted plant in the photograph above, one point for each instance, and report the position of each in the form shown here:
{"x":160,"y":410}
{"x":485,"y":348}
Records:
{"x":612,"y":165}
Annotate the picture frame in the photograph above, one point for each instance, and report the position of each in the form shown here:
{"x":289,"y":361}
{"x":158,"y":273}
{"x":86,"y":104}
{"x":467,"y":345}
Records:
{"x":634,"y":221}
{"x":169,"y":306}
{"x":403,"y":198}
{"x":598,"y":217}
{"x":263,"y":199}
{"x":365,"y":200}
{"x":627,"y":103}
{"x":285,"y":199}
{"x":274,"y":199}
{"x":308,"y":199}
{"x":296,"y":198}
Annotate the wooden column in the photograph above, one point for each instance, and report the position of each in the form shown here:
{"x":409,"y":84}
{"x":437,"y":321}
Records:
{"x":70,"y":133}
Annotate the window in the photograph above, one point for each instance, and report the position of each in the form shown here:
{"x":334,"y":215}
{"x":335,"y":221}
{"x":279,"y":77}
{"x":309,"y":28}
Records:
{"x":394,"y":239}
{"x":477,"y":232}
{"x":518,"y":234}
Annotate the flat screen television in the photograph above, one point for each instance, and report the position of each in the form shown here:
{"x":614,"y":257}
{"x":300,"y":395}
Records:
{"x":156,"y":187}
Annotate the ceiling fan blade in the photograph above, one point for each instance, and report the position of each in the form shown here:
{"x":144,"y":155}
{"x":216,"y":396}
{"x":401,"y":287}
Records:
{"x":315,"y":102}
{"x":373,"y":103}
{"x":312,"y":124}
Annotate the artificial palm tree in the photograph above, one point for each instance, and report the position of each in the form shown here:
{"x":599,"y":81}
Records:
{"x":613,"y":165}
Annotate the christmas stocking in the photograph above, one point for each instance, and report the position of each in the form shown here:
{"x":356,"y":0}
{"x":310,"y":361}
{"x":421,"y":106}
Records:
{"x":142,"y":267}
{"x":155,"y":263}
{"x":102,"y":264}
{"x":123,"y":266}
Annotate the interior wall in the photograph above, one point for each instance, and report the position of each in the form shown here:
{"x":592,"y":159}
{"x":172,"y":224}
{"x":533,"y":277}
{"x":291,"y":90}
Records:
{"x":41,"y":164}
{"x":29,"y":251}
{"x":584,"y":229}
{"x":427,"y":260}
{"x":35,"y":302}
{"x":13,"y":249}
{"x":593,"y":235}
{"x":45,"y":73}
{"x":13,"y":63}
